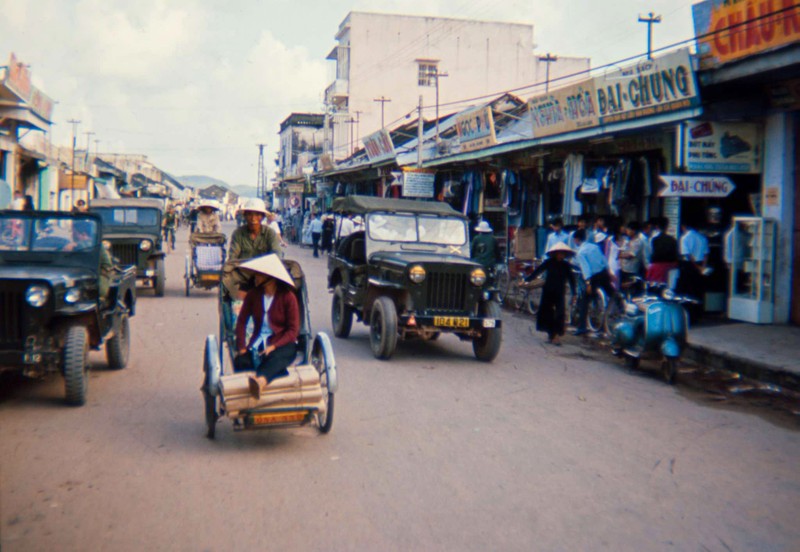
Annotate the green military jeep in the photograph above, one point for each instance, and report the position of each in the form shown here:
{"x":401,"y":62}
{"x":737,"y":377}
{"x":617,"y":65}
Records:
{"x":408,"y":274}
{"x":58,"y":298}
{"x":132,"y":228}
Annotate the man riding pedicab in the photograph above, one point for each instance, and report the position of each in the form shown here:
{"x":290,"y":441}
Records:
{"x":253,"y":239}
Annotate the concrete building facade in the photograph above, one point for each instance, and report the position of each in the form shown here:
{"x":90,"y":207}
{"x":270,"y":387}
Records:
{"x":400,"y":58}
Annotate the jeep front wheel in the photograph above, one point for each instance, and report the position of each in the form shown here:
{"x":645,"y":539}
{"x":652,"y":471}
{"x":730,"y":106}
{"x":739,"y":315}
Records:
{"x":160,"y":279}
{"x":487,"y":345}
{"x":383,"y":328}
{"x":341,"y":314}
{"x":118,"y":347}
{"x":76,"y":354}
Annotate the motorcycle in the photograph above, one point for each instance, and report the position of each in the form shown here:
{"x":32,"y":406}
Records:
{"x":654,"y":325}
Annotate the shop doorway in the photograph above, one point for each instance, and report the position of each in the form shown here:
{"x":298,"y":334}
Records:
{"x":795,"y":307}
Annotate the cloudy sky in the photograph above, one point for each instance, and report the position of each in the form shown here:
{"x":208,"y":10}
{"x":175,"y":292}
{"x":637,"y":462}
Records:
{"x":195,"y":84}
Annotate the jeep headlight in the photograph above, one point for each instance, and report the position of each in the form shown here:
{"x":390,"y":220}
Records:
{"x":478,"y":277}
{"x":36,"y":295}
{"x":72,"y":295}
{"x":145,"y":245}
{"x":416,"y":274}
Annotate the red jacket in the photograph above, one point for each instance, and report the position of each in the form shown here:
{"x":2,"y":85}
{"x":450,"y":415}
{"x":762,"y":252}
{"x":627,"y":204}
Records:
{"x":284,"y":317}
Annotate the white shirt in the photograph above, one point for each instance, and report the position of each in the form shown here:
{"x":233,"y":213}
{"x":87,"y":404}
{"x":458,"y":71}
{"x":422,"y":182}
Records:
{"x":345,"y":227}
{"x":694,"y":245}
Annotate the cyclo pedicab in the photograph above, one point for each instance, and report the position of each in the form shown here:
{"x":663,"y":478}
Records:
{"x":304,"y":396}
{"x":203,"y":266}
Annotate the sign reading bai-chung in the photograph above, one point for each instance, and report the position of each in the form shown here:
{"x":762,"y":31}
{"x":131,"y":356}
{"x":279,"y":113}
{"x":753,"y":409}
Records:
{"x":681,"y":185}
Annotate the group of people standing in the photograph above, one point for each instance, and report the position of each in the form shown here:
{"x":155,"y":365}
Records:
{"x":598,"y":255}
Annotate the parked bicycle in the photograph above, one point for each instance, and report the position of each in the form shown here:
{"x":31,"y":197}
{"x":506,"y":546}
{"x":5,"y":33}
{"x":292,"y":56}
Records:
{"x":596,"y":310}
{"x":514,"y":291}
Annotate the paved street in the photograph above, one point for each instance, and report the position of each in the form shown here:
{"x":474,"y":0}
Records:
{"x":545,"y":449}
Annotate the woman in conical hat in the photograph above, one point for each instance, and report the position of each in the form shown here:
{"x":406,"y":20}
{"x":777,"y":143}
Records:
{"x":273,"y":306}
{"x":550,"y":317}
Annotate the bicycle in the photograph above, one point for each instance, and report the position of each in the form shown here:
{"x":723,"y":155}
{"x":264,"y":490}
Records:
{"x":524,"y":295}
{"x":596,"y":309}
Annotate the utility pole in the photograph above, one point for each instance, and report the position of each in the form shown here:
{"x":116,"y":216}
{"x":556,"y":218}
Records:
{"x":358,"y":127}
{"x":437,"y":74}
{"x":350,"y":122}
{"x":547,"y":60}
{"x":96,"y":148}
{"x":262,"y":186}
{"x":419,"y":132}
{"x":89,"y":135}
{"x":74,"y":123}
{"x":383,"y":101}
{"x":651,"y":19}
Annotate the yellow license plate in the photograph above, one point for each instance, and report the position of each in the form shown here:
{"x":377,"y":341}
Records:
{"x":209,"y":277}
{"x":451,"y":321}
{"x":278,"y":418}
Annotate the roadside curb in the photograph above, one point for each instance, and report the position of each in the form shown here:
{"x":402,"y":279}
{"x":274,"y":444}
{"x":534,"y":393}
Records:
{"x":761,"y":371}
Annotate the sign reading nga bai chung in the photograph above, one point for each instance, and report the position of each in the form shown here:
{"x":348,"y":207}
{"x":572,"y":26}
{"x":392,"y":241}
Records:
{"x":475,"y":129}
{"x":650,"y":87}
{"x":681,"y":185}
{"x":564,"y":110}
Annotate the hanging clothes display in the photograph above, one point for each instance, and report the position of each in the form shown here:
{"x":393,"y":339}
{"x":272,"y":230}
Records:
{"x":573,"y":177}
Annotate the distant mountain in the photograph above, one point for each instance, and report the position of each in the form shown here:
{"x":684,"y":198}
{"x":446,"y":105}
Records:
{"x":200,"y":182}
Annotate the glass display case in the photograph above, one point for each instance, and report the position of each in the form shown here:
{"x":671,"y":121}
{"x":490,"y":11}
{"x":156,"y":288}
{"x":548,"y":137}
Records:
{"x":752,"y":276}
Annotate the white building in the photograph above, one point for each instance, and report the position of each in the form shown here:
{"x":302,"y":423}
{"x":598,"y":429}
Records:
{"x":399,"y":57}
{"x":301,"y":138}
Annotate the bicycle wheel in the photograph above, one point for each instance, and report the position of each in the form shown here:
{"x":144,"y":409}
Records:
{"x":502,"y":280}
{"x":531,"y":300}
{"x":596,"y":312}
{"x":614,"y":313}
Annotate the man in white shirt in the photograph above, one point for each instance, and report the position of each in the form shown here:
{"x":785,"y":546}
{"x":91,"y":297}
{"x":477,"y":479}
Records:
{"x":316,"y":232}
{"x":344,"y":227}
{"x":694,"y":246}
{"x":557,"y":235}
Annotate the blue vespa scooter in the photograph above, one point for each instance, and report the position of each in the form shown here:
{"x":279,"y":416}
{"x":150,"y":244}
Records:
{"x":654,"y":326}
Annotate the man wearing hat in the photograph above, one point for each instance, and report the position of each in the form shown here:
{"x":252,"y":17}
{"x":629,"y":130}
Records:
{"x":551,"y":317}
{"x":208,"y":218}
{"x":483,"y":248}
{"x":275,"y":312}
{"x":250,"y":240}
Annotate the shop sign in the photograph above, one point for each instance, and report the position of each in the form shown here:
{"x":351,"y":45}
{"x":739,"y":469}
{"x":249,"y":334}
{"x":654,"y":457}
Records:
{"x":681,"y":185}
{"x":727,"y":30}
{"x":722,"y":147}
{"x":418,"y":182}
{"x":672,"y":211}
{"x":295,"y":187}
{"x":564,"y":110}
{"x":785,"y":95}
{"x":475,"y":129}
{"x":379,"y":146}
{"x":18,"y":80}
{"x":650,"y":87}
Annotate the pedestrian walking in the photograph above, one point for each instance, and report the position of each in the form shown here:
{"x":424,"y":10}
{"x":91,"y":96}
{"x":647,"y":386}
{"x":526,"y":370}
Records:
{"x":594,"y":270}
{"x":316,"y":233}
{"x":551,"y":317}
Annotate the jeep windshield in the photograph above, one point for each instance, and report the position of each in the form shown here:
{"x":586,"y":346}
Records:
{"x":21,"y":232}
{"x":127,"y":216}
{"x":419,"y":232}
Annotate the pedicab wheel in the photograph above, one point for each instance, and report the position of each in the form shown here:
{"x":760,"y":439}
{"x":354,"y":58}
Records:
{"x":160,"y":278}
{"x":188,"y":275}
{"x":341,"y":314}
{"x":118,"y":347}
{"x":323,"y":360}
{"x":76,"y":354}
{"x":383,"y":328}
{"x":211,"y":372}
{"x":487,"y":345}
{"x":669,"y":370}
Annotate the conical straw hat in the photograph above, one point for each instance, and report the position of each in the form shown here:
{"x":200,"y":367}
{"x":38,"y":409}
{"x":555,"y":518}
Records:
{"x":271,"y":265}
{"x":560,"y":246}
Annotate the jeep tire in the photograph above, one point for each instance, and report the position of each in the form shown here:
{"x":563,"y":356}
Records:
{"x":159,"y":281}
{"x":383,"y":328}
{"x":76,"y":354}
{"x":118,"y":347}
{"x":341,"y":314}
{"x":487,"y":345}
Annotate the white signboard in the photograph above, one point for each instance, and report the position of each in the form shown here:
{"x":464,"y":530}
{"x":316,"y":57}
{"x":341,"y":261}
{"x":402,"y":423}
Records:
{"x":722,"y":147}
{"x":418,"y":183}
{"x":379,"y":146}
{"x":681,"y":185}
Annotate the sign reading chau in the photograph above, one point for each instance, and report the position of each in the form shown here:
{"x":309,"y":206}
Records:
{"x":727,"y":30}
{"x":681,"y":185}
{"x":564,"y":110}
{"x":379,"y":146}
{"x":650,"y":87}
{"x":475,"y":129}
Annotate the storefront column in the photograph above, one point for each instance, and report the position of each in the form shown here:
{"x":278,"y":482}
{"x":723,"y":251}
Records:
{"x":778,"y":202}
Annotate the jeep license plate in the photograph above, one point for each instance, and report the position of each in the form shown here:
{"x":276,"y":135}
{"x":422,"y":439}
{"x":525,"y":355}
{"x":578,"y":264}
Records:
{"x":451,"y":321}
